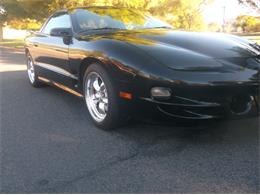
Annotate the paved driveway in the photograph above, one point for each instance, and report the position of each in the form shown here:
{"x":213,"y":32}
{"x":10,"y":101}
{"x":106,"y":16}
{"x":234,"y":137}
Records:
{"x":48,"y":144}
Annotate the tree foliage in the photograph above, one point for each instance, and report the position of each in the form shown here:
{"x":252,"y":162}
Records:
{"x":248,"y":23}
{"x":27,"y":23}
{"x":20,"y":9}
{"x":23,"y":14}
{"x":252,"y":4}
{"x":184,"y":14}
{"x":214,"y":27}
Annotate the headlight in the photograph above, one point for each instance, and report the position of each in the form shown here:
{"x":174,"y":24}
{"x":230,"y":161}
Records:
{"x":161,"y":93}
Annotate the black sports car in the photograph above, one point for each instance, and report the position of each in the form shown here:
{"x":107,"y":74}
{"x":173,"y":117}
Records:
{"x":127,"y":63}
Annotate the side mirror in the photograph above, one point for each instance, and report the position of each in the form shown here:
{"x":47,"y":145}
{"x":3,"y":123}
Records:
{"x":61,"y":32}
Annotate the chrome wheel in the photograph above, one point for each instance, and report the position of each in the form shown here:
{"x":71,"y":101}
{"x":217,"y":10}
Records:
{"x":96,"y":96}
{"x":30,"y":70}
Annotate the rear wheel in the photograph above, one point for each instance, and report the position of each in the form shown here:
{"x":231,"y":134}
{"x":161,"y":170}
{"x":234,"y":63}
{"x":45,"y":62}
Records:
{"x":101,"y":98}
{"x":31,"y":72}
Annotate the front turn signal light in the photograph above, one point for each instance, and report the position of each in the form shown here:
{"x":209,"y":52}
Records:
{"x":125,"y":95}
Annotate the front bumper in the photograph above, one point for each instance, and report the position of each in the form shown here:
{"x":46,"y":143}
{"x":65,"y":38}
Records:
{"x":228,"y":102}
{"x":194,"y":109}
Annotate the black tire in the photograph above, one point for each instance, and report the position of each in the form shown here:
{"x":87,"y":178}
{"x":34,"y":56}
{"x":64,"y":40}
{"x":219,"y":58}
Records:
{"x":35,"y":82}
{"x":114,"y":116}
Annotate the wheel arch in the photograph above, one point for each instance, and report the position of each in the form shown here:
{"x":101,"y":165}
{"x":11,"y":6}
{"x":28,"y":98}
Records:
{"x":85,"y":63}
{"x":26,"y":51}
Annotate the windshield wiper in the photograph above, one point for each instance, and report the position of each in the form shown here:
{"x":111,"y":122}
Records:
{"x":94,"y":29}
{"x":167,"y":27}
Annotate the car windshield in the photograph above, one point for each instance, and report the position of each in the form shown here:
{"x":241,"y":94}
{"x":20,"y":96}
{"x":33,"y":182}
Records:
{"x":114,"y":18}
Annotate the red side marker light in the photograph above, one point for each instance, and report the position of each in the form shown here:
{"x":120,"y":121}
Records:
{"x":125,"y":95}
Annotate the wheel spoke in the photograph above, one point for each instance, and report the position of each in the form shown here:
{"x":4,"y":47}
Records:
{"x":97,"y":95}
{"x":96,"y":85}
{"x":95,"y":100}
{"x":105,"y":100}
{"x":102,"y":86}
{"x":106,"y":106}
{"x":101,"y":107}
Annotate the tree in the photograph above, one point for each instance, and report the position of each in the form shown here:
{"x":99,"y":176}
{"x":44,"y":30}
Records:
{"x":2,"y":16}
{"x":247,"y":23}
{"x":214,"y":27}
{"x":252,"y":4}
{"x":22,"y":9}
{"x":184,"y":14}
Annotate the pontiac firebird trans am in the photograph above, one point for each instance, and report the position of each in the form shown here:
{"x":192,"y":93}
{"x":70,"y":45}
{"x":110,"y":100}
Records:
{"x":126,"y":63}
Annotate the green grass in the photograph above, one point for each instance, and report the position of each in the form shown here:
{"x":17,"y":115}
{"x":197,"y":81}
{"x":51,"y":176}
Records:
{"x":13,"y":43}
{"x":253,"y":38}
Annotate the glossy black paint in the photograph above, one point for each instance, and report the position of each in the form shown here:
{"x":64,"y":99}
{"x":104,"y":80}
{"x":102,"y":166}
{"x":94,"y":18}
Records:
{"x":205,"y":71}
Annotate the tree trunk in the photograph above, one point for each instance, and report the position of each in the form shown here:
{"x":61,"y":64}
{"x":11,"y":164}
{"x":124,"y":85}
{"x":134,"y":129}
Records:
{"x":1,"y":32}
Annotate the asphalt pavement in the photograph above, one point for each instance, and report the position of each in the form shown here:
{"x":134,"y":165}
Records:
{"x":49,"y":145}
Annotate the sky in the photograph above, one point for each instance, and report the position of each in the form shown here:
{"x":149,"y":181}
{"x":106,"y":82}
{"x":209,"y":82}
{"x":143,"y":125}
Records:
{"x":214,"y":12}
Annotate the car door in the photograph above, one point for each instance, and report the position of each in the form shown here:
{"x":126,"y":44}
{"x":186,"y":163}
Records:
{"x":51,"y":52}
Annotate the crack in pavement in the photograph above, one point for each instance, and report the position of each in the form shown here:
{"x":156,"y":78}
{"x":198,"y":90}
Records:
{"x":143,"y":149}
{"x":89,"y":173}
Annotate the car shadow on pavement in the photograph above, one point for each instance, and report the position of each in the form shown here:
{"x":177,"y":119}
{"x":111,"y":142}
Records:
{"x":74,"y":153}
{"x":139,"y":131}
{"x":163,"y":140}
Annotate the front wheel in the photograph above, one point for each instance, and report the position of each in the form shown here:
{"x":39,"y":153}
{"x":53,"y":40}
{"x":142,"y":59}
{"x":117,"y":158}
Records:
{"x":32,"y":75}
{"x":101,"y":98}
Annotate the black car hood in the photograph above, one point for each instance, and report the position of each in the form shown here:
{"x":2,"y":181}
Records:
{"x":190,"y":51}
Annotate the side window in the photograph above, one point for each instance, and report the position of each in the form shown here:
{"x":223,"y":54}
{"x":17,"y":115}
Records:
{"x":57,"y":21}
